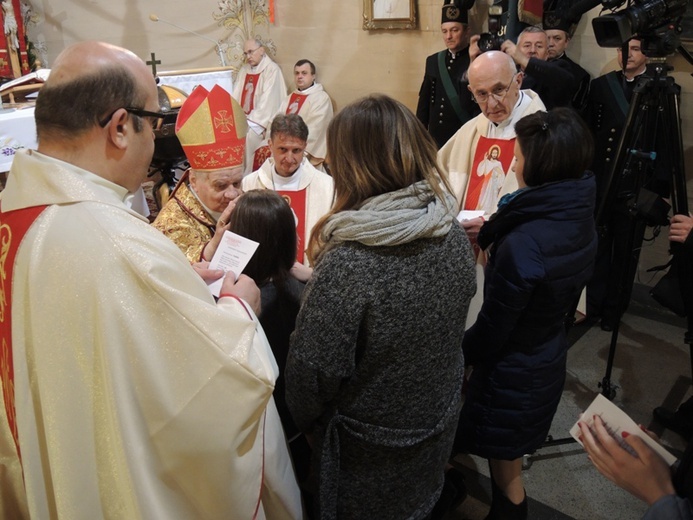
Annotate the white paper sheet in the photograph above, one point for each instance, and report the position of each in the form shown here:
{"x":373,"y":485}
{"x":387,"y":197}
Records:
{"x":617,"y":421}
{"x":233,"y":254}
{"x":469,"y":214}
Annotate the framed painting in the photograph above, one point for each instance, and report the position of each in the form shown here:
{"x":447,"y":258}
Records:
{"x":389,"y":14}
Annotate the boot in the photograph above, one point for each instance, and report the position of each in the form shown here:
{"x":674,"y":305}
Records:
{"x":454,"y":493}
{"x":502,"y":508}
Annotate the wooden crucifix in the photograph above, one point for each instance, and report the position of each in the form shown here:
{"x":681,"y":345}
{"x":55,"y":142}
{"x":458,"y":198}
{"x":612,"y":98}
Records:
{"x":153,"y":62}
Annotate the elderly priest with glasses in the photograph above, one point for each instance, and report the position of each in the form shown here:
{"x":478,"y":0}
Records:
{"x":471,"y":156}
{"x":260,"y":89}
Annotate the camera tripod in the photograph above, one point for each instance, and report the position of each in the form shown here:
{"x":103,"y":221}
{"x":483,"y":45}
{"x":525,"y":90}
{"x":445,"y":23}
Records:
{"x":650,"y":146}
{"x":652,"y":127}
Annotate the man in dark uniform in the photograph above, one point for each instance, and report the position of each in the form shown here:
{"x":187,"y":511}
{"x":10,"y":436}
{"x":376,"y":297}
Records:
{"x":444,"y":101}
{"x":608,"y":103}
{"x":558,"y":29}
{"x":553,"y":81}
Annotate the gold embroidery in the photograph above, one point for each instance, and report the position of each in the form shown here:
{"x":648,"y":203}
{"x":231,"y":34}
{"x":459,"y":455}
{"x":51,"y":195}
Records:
{"x":189,"y":229}
{"x":5,"y":240}
{"x":8,"y":390}
{"x":224,"y":121}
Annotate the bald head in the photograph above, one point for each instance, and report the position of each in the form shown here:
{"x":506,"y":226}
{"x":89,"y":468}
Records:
{"x":87,"y":58}
{"x":86,"y":113}
{"x":495,"y":84}
{"x":102,"y":77}
{"x":491,"y":62}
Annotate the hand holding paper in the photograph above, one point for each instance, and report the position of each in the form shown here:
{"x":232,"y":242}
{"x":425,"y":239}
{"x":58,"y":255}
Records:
{"x":233,"y":254}
{"x":616,"y":421}
{"x":635,"y":467}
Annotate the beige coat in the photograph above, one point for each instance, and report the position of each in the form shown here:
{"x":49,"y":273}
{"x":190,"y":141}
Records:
{"x":136,"y":396}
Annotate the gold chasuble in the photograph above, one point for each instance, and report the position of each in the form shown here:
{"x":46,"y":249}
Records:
{"x":185,"y":221}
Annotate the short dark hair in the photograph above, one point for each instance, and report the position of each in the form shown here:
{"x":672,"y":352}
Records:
{"x":70,"y":108}
{"x":556,"y":145}
{"x":291,"y":125}
{"x":265,"y":217}
{"x":303,"y":62}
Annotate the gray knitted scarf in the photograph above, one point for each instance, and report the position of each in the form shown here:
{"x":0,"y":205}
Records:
{"x":393,"y":218}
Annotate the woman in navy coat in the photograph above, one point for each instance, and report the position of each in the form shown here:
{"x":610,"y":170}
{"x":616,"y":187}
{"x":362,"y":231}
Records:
{"x":541,"y":245}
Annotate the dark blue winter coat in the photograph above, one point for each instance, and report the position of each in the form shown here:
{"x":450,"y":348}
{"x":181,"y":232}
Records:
{"x":542,"y":254}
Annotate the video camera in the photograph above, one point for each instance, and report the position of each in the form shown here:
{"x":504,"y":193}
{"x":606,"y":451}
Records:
{"x":494,"y":38}
{"x":658,"y":20}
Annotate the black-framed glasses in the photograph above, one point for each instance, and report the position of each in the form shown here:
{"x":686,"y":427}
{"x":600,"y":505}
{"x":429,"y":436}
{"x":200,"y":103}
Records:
{"x":499,"y":93}
{"x":155,"y":118}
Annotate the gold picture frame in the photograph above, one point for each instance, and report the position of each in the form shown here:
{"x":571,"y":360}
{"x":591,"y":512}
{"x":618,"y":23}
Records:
{"x":389,"y":14}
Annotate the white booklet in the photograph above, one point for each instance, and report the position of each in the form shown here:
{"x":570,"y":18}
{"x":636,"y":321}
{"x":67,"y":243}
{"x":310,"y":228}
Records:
{"x":233,"y":254}
{"x":617,"y":421}
{"x":469,"y":214}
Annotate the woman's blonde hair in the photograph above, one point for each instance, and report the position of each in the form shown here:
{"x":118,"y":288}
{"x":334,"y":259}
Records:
{"x":376,"y":145}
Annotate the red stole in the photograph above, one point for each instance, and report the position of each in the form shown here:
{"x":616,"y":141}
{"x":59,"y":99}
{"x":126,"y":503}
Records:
{"x":297,"y":201}
{"x":505,"y":149}
{"x":13,"y":227}
{"x":295,"y":103}
{"x":248,"y":95}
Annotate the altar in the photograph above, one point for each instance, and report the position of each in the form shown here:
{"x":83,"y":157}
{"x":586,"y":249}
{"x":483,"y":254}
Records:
{"x":17,"y":131}
{"x":187,"y":80}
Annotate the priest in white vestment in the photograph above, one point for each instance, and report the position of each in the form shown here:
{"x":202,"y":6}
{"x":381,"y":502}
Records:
{"x":313,"y":104}
{"x":308,"y":191}
{"x":260,"y":89}
{"x":495,"y":84}
{"x":128,"y":392}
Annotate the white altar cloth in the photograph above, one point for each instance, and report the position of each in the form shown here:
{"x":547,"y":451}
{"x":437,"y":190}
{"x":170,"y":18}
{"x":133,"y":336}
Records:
{"x":188,"y":81}
{"x":17,"y":130}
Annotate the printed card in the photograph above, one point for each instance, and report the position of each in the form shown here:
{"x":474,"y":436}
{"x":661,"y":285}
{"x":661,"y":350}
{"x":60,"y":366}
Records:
{"x":233,"y":254}
{"x":617,"y":421}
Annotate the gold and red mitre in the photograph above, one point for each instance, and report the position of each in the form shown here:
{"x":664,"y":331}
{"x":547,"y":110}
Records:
{"x":211,"y":128}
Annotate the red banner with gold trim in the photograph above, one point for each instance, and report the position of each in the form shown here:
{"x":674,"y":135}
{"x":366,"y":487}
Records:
{"x":13,"y":227}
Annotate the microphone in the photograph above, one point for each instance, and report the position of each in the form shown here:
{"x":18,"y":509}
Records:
{"x":155,"y":18}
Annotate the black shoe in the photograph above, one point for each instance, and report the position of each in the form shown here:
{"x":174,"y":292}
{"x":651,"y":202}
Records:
{"x":503,"y":509}
{"x":453,"y":494}
{"x":680,"y":422}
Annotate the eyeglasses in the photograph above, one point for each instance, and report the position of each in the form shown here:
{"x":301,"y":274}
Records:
{"x":499,"y":93}
{"x":251,"y":51}
{"x":155,"y":118}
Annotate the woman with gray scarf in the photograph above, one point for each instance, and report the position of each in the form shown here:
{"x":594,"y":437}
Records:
{"x":375,"y":366}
